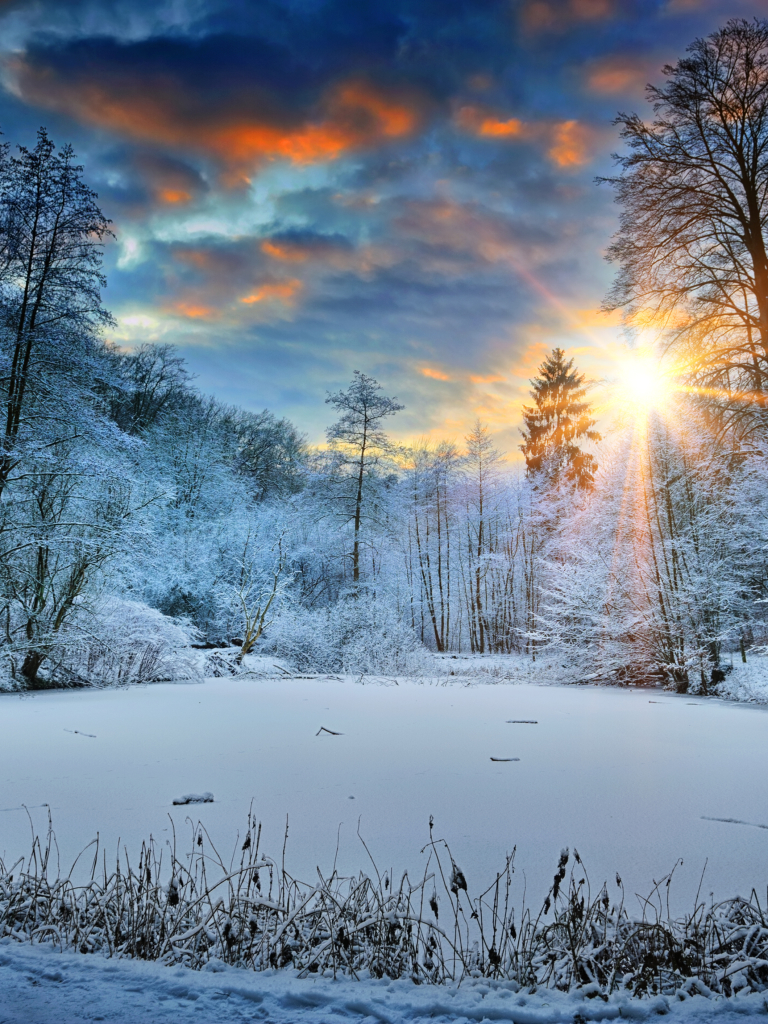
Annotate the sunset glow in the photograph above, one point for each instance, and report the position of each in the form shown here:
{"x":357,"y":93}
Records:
{"x":350,"y":187}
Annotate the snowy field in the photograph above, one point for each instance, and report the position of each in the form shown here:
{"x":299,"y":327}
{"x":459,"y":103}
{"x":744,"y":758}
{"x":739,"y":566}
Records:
{"x":635,"y":779}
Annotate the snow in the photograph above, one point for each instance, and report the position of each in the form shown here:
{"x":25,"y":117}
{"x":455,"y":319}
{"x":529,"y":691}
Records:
{"x":747,"y":682}
{"x":632,"y":778}
{"x":193,"y":798}
{"x":44,"y":986}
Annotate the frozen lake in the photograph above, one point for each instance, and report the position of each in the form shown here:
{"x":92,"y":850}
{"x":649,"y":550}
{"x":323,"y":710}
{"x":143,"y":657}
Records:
{"x":628,"y":777}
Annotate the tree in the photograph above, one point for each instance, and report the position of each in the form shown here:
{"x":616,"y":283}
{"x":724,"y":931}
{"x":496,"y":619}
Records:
{"x":152,"y":378}
{"x":430,"y":529}
{"x":694,"y":195}
{"x":481,"y":472}
{"x":559,"y":418}
{"x":58,"y":529}
{"x":359,"y":440}
{"x":51,"y":240}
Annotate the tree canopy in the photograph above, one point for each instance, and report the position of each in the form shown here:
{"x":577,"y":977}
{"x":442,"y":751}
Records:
{"x":693,"y":192}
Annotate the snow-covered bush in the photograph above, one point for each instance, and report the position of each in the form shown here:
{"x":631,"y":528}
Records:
{"x":352,"y":636}
{"x":128,"y":642}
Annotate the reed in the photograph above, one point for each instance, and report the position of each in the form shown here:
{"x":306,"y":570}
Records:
{"x":248,"y":911}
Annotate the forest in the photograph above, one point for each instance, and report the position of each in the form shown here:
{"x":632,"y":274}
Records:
{"x":148,"y":531}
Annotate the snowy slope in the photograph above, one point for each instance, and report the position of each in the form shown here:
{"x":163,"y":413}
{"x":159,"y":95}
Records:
{"x":42,"y":986}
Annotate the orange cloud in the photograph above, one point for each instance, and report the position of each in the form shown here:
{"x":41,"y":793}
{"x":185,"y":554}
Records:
{"x":434,"y":374}
{"x":281,"y":291}
{"x":194,"y":311}
{"x":527,"y":364}
{"x":588,"y":318}
{"x":286,"y":252}
{"x":350,"y":116}
{"x":571,"y":145}
{"x":491,"y":379}
{"x":541,"y":15}
{"x":480,"y":122}
{"x":620,"y":74}
{"x":173,"y":195}
{"x":357,"y":117}
{"x":201,"y":259}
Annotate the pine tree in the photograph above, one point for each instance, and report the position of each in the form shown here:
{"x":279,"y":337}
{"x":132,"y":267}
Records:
{"x":559,"y":418}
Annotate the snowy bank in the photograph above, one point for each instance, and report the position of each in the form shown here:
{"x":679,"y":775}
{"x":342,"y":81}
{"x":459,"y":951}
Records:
{"x":41,"y":985}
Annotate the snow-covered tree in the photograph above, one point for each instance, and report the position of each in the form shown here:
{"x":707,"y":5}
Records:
{"x":359,"y":442}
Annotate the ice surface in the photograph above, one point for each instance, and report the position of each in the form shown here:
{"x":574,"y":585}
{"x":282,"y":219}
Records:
{"x":44,"y":986}
{"x":632,"y":784}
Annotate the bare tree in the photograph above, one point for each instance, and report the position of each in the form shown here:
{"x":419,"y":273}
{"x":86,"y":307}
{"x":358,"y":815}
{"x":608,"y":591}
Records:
{"x":153,"y":376}
{"x":694,"y":195}
{"x":430,"y":530}
{"x":481,"y":540}
{"x":51,"y":240}
{"x":359,"y":440}
{"x":259,"y":588}
{"x":55,"y":538}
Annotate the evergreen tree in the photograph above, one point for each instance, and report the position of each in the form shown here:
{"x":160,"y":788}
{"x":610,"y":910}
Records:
{"x":560,"y":417}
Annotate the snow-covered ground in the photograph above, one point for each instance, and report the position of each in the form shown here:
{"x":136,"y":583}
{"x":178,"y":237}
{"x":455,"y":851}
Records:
{"x":42,"y":986}
{"x":634,"y":779}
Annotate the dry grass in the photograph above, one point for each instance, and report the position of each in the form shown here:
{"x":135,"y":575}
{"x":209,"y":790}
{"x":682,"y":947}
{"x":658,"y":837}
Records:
{"x":251,"y":913}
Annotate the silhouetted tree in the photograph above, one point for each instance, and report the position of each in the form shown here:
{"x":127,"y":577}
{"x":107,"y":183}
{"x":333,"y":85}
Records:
{"x":694,"y":195}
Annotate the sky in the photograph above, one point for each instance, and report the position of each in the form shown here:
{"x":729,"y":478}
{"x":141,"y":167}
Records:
{"x":304,"y":188}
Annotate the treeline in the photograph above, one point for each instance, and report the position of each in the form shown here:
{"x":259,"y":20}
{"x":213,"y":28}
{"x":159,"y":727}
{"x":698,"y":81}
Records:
{"x":143,"y":523}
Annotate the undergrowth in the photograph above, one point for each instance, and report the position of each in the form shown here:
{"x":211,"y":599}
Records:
{"x":250,"y":912}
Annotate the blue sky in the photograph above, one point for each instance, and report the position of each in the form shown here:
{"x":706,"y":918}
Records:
{"x":302,"y":188}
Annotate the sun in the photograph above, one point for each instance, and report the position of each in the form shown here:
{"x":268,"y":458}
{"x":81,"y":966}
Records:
{"x":642,"y":382}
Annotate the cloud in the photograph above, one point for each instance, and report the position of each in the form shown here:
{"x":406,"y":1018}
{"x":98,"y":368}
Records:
{"x":158,"y":93}
{"x":193,"y":310}
{"x":548,"y":15}
{"x":568,"y":144}
{"x":491,"y":378}
{"x":486,"y":125}
{"x":429,"y":371}
{"x":227,"y":281}
{"x":170,"y":182}
{"x":622,"y":74}
{"x":281,"y":291}
{"x":571,"y":144}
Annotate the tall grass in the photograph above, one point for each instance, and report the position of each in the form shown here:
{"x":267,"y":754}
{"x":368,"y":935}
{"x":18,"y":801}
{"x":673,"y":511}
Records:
{"x":248,"y":911}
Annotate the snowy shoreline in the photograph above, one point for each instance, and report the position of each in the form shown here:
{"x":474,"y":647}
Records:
{"x":744,"y":682}
{"x":47,"y":987}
